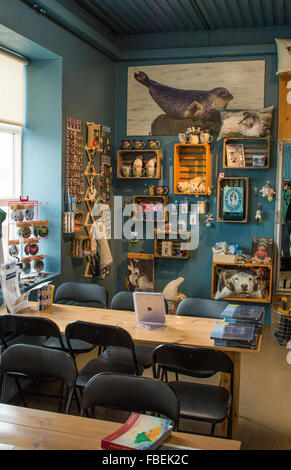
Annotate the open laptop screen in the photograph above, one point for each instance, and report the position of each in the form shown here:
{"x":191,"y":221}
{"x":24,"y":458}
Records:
{"x":149,"y":309}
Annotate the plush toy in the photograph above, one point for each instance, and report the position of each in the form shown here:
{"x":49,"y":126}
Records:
{"x":170,"y":292}
{"x":183,"y":186}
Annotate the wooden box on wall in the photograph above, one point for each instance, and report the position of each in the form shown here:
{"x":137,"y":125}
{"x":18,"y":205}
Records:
{"x":175,"y":240}
{"x":146,"y":214}
{"x":253,"y":146}
{"x":191,"y":161}
{"x":126,"y":158}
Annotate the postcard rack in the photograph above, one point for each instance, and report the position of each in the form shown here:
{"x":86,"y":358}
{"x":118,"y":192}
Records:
{"x":256,"y":152}
{"x":191,"y":161}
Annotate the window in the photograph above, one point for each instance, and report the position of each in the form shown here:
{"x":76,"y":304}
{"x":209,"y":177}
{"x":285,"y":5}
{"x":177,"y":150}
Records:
{"x":11,"y":122}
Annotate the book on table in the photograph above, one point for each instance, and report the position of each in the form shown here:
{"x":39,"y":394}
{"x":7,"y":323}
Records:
{"x":244,"y":313}
{"x":233,"y":334}
{"x":139,"y":432}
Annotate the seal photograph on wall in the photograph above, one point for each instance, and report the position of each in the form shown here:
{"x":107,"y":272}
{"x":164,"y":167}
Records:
{"x":167,"y":99}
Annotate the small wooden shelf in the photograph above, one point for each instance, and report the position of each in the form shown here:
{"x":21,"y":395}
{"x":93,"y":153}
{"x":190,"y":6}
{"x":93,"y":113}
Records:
{"x":259,"y":146}
{"x":232,"y":182}
{"x":191,"y":161}
{"x":81,"y":246}
{"x":148,"y":211}
{"x":126,"y":158}
{"x":175,"y":239}
{"x":268,"y":268}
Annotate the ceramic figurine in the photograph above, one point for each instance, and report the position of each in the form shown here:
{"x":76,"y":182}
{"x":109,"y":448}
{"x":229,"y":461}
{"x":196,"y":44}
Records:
{"x":267,"y":192}
{"x":209,"y":220}
{"x":171,"y":292}
{"x":259,"y":216}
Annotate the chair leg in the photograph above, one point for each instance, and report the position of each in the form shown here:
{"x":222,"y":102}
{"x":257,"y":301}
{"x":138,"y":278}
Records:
{"x":69,"y":400}
{"x":212,"y":428}
{"x":20,"y":391}
{"x":60,"y":403}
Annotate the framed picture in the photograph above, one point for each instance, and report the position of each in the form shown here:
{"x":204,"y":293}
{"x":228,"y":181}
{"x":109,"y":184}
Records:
{"x":262,"y":250}
{"x":140,"y":272}
{"x":94,"y":134}
{"x":235,"y":155}
{"x":167,"y":248}
{"x":167,"y":99}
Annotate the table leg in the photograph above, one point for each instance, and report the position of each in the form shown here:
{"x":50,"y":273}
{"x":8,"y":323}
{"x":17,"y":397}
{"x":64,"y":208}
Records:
{"x":225,"y":382}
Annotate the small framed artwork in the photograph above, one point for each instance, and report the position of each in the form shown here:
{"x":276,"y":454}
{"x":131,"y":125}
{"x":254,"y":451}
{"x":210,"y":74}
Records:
{"x":140,"y":272}
{"x":167,"y":248}
{"x":94,"y":134}
{"x":262,"y":250}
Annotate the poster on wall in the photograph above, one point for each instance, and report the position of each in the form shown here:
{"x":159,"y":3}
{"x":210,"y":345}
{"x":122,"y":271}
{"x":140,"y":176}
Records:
{"x":167,"y":99}
{"x":140,"y":272}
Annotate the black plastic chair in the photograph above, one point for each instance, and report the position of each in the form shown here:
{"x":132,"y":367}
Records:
{"x":197,"y":307}
{"x":131,"y":393}
{"x":29,"y":326}
{"x":78,"y":293}
{"x":38,"y":363}
{"x":208,"y":403}
{"x":102,"y":336}
{"x":124,"y":301}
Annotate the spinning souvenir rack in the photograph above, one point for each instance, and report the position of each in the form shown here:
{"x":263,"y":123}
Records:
{"x":25,"y":231}
{"x":98,"y":149}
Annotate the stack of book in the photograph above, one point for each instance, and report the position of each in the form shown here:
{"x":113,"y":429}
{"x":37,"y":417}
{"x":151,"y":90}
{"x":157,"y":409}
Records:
{"x":239,"y":327}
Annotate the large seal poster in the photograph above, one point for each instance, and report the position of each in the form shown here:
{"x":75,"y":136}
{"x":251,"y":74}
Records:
{"x":167,"y":99}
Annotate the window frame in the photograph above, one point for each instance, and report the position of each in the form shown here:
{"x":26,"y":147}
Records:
{"x":17,"y":161}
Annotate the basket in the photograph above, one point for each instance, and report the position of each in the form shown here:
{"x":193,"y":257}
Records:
{"x":280,"y":323}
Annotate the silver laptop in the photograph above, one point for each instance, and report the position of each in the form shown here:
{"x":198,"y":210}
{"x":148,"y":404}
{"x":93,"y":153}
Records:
{"x":149,"y":309}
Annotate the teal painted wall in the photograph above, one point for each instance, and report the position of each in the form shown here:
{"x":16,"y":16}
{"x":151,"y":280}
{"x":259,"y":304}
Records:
{"x":197,"y":270}
{"x":66,"y":77}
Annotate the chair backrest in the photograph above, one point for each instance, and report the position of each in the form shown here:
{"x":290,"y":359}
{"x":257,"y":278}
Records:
{"x":124,"y":301}
{"x":38,"y":362}
{"x":30,"y":326}
{"x":100,"y":335}
{"x":80,"y":292}
{"x":189,"y":359}
{"x":196,"y":307}
{"x":131,"y":393}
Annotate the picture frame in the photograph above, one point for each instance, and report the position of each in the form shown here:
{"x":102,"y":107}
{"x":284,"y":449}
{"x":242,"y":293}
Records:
{"x":93,"y":134}
{"x":235,"y":155}
{"x":262,"y":250}
{"x":140,"y":272}
{"x":167,"y":248}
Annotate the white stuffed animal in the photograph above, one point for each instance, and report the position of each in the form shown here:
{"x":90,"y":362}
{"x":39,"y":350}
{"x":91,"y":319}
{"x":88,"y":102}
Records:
{"x":170,"y":292}
{"x":183,"y":186}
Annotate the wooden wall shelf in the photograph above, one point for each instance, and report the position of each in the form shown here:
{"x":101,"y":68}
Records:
{"x":175,"y":245}
{"x":148,"y":211}
{"x":232,"y":182}
{"x":259,"y":146}
{"x":81,"y":246}
{"x":191,"y":161}
{"x":269,"y":279}
{"x":126,"y":158}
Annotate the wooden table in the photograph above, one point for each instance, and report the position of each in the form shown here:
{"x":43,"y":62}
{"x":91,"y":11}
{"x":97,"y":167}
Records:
{"x":26,"y":428}
{"x":191,"y":331}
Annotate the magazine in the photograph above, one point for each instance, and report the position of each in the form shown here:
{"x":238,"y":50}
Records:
{"x":14,"y":300}
{"x":235,"y":155}
{"x":139,"y":432}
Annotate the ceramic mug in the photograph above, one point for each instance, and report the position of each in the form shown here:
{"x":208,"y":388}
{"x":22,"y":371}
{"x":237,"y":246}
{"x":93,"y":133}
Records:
{"x":126,"y":171}
{"x":206,"y":138}
{"x":126,"y":144}
{"x":182,"y":138}
{"x":150,"y":171}
{"x":161,"y":190}
{"x":138,"y":144}
{"x":194,"y":139}
{"x":153,"y":144}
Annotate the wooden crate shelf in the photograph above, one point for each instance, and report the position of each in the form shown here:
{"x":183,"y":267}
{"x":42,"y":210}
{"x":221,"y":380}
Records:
{"x":126,"y":157}
{"x":269,"y":280}
{"x":81,"y":246}
{"x":147,"y":205}
{"x":191,"y":161}
{"x":260,"y":146}
{"x":232,"y":181}
{"x":175,"y":240}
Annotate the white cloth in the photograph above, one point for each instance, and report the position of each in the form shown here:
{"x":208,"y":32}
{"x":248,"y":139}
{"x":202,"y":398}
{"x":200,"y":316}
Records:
{"x":100,"y":242}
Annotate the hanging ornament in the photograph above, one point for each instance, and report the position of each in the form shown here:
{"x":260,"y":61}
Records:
{"x":259,"y":216}
{"x":209,"y":220}
{"x":267,"y":192}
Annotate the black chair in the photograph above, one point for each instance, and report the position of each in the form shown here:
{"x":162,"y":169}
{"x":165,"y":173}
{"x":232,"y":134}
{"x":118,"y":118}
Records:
{"x":196,"y":307}
{"x":124,"y":301}
{"x":208,"y":403}
{"x":102,"y":336}
{"x":38,"y":363}
{"x":130,"y":393}
{"x":28,"y":326}
{"x":78,"y":293}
